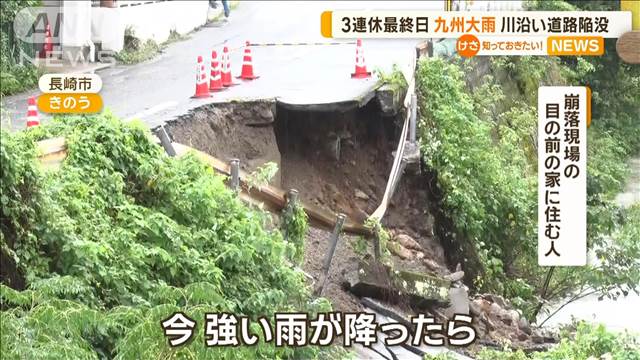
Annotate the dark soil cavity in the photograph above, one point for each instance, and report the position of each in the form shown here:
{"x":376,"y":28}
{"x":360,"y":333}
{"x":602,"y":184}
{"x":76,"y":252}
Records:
{"x":341,"y":161}
{"x":336,"y":160}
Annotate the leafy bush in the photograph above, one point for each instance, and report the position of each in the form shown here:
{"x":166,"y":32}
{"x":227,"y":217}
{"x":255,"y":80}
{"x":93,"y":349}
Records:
{"x":589,"y":342}
{"x":394,"y":78}
{"x":295,"y":227}
{"x":14,"y":76}
{"x":484,"y":154}
{"x":136,"y":51}
{"x":262,"y":176}
{"x":122,"y":236}
{"x":18,"y":78}
{"x":488,"y":190}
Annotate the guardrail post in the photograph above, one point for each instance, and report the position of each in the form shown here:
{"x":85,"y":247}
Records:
{"x":234,"y":183}
{"x":165,"y":141}
{"x":332,"y":249}
{"x":292,"y":200}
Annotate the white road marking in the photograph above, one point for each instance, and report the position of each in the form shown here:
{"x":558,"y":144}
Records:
{"x":152,"y":110}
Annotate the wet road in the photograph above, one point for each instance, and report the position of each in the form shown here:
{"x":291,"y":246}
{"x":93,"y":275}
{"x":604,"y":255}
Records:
{"x":160,"y":89}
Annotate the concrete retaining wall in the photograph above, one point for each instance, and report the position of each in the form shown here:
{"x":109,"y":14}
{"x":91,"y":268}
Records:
{"x":153,"y":21}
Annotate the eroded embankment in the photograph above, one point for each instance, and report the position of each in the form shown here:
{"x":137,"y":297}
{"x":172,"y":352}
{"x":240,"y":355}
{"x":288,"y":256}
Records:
{"x":231,"y":130}
{"x":339,"y":161}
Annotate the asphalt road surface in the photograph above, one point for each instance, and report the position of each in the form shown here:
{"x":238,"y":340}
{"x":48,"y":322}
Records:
{"x":160,"y":89}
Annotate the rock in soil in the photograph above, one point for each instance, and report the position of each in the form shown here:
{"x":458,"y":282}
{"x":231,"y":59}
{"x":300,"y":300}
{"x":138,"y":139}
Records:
{"x":361,"y":195}
{"x":265,"y":113}
{"x":523,"y":324}
{"x":456,"y":276}
{"x":408,"y":242}
{"x":399,"y":250}
{"x":537,"y":339}
{"x":489,"y":324}
{"x":459,"y":302}
{"x":495,"y":310}
{"x":432,"y":265}
{"x":499,"y":300}
{"x":514,"y":315}
{"x":507,"y":320}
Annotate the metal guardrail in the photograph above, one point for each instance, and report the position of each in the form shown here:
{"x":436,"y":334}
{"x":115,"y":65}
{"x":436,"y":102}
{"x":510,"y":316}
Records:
{"x":53,"y":151}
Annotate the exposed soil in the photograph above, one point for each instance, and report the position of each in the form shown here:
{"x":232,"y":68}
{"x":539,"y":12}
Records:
{"x":344,"y":260}
{"x":231,"y":130}
{"x":341,"y":161}
{"x":329,"y":157}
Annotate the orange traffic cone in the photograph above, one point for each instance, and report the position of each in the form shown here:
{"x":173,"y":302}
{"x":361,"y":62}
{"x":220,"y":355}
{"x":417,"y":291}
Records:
{"x":202,"y":86}
{"x":227,"y":80}
{"x":32,"y":113}
{"x":215,"y":81}
{"x":247,"y":65}
{"x":47,"y":47}
{"x":361,"y":69}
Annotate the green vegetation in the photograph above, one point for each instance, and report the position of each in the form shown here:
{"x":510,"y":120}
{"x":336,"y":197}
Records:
{"x":469,"y":161}
{"x":135,"y":50}
{"x":479,"y":137}
{"x":589,"y":342}
{"x":382,"y":236}
{"x":441,"y":356}
{"x":360,"y":245}
{"x":295,"y":227}
{"x":262,"y":175}
{"x":395,"y":78}
{"x":15,"y":76}
{"x":97,"y":253}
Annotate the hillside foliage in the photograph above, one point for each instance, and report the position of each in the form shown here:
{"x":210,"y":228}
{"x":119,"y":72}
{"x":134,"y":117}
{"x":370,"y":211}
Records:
{"x":97,"y":253}
{"x":479,"y":138}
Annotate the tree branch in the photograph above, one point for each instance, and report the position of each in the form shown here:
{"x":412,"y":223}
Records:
{"x":575,"y":298}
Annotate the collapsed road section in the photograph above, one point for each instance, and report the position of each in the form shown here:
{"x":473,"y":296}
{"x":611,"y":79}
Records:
{"x":339,"y":162}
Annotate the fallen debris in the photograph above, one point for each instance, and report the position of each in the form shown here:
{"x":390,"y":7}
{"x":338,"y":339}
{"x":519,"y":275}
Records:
{"x":378,"y":281}
{"x":497,"y":321}
{"x":458,"y":302}
{"x":361,"y":195}
{"x":399,"y":250}
{"x":407,"y":241}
